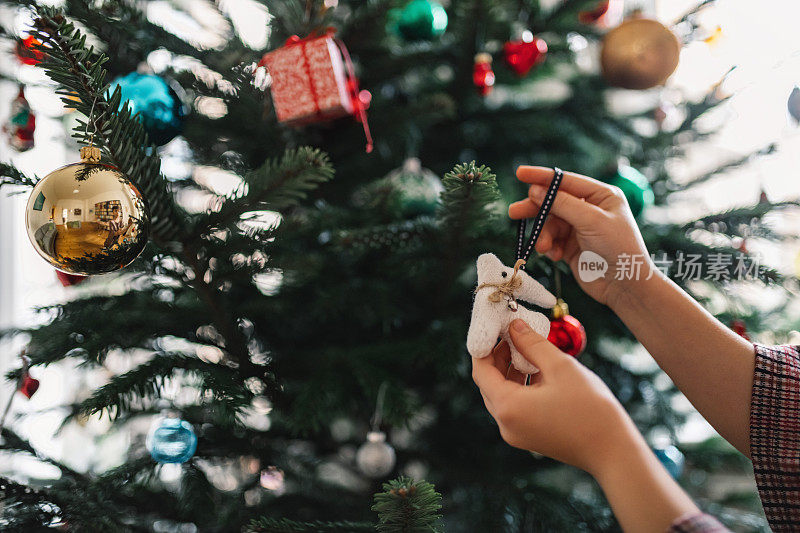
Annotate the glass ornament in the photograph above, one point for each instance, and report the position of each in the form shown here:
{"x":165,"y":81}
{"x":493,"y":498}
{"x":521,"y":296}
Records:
{"x":87,"y":218}
{"x":672,"y":459}
{"x":21,"y":124}
{"x":566,"y":332}
{"x":521,"y":56}
{"x":157,"y":103}
{"x":639,"y":54}
{"x":635,"y":186}
{"x":171,"y":440}
{"x":375,"y":458}
{"x":420,"y":20}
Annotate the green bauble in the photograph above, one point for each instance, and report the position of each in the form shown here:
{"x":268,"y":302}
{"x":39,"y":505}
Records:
{"x":635,"y":186}
{"x":408,"y":191}
{"x":420,"y":20}
{"x":417,"y":189}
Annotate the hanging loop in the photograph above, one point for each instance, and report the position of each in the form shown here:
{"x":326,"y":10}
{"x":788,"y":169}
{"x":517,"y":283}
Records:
{"x":524,"y":251}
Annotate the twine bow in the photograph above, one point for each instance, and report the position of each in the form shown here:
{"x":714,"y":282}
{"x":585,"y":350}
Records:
{"x":507,"y":288}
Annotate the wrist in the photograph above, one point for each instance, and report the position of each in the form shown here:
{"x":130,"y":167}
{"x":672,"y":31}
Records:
{"x":625,"y":293}
{"x":617,"y":453}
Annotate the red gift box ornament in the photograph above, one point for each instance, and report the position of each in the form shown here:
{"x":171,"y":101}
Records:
{"x":313,"y":80}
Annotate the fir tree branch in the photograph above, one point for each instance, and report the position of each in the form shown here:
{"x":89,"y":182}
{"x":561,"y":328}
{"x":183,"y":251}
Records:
{"x":277,"y":185}
{"x":146,"y":381}
{"x":284,"y":525}
{"x":79,"y":71}
{"x":408,"y":506}
{"x":729,"y":165}
{"x":13,"y":442}
{"x":10,"y":175}
{"x":469,"y":191}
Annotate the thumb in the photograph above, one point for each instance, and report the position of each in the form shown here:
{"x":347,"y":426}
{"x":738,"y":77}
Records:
{"x":535,"y":348}
{"x":575,"y":211}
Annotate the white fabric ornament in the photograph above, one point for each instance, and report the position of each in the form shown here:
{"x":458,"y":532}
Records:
{"x":495,"y":307}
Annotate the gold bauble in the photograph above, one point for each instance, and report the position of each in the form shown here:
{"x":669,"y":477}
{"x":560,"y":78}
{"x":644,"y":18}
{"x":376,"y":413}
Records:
{"x":87,"y":218}
{"x":639,"y":54}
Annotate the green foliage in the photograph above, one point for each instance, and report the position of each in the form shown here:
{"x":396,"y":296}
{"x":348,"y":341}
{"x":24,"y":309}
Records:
{"x":9,"y":175}
{"x":277,"y":185}
{"x":78,"y":70}
{"x":284,"y":525}
{"x":408,"y":506}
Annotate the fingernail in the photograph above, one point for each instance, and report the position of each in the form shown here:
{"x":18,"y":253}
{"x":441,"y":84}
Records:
{"x":519,"y":326}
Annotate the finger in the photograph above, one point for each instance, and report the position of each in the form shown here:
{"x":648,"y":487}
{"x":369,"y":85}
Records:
{"x":556,"y":253}
{"x":535,"y":348}
{"x":576,"y":184}
{"x":489,"y":379}
{"x":575,"y":211}
{"x":514,"y":375}
{"x":523,"y":209}
{"x":501,"y":356}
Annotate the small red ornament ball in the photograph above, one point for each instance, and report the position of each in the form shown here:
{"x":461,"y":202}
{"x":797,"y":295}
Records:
{"x":739,"y":327}
{"x":482,"y":74}
{"x":566,"y":332}
{"x":28,"y":51}
{"x":522,"y":56}
{"x":68,"y":280}
{"x":29,"y":386}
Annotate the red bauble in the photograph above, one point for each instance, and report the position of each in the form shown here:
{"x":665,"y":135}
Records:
{"x":67,"y":280}
{"x":566,"y":332}
{"x":482,"y":74}
{"x":606,"y":14}
{"x":740,"y":329}
{"x":522,"y":56}
{"x":28,"y":50}
{"x":29,"y":386}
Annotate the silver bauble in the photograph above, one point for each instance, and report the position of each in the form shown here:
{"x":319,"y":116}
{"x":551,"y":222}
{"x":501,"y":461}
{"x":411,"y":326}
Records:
{"x":375,"y":458}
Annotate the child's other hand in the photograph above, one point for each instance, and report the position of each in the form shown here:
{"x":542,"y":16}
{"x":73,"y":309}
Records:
{"x":587,"y":215}
{"x":567,"y":412}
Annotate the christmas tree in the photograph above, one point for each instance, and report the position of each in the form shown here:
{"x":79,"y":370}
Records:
{"x":322,"y":305}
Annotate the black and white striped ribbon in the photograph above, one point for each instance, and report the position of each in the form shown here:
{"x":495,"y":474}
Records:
{"x":524,"y":252}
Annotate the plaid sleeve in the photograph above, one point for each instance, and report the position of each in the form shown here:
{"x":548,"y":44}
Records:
{"x":697,"y":523}
{"x":775,"y":434}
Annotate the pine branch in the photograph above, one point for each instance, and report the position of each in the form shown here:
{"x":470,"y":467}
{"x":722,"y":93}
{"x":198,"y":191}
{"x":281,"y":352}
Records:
{"x":10,"y":175}
{"x":277,"y":185}
{"x":469,"y":192}
{"x":736,"y":163}
{"x":78,"y":70}
{"x":145,"y":381}
{"x":390,"y":236}
{"x":13,"y":442}
{"x":406,"y":506}
{"x":284,"y":525}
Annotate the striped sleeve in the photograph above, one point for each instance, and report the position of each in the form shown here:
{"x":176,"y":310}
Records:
{"x":775,"y":434}
{"x":697,"y":523}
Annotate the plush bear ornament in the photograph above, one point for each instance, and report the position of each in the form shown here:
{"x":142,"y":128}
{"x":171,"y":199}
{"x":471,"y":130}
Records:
{"x":495,"y":307}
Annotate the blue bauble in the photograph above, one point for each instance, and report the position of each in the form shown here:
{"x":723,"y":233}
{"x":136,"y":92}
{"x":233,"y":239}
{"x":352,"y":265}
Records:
{"x":171,"y":440}
{"x":158,"y":105}
{"x":672,"y":459}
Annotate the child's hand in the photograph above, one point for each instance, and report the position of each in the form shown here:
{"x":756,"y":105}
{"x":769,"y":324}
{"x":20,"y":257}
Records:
{"x":586,"y":215}
{"x":567,"y":413}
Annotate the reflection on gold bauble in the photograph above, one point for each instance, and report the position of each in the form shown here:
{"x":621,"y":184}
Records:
{"x":87,"y":218}
{"x":639,"y":54}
